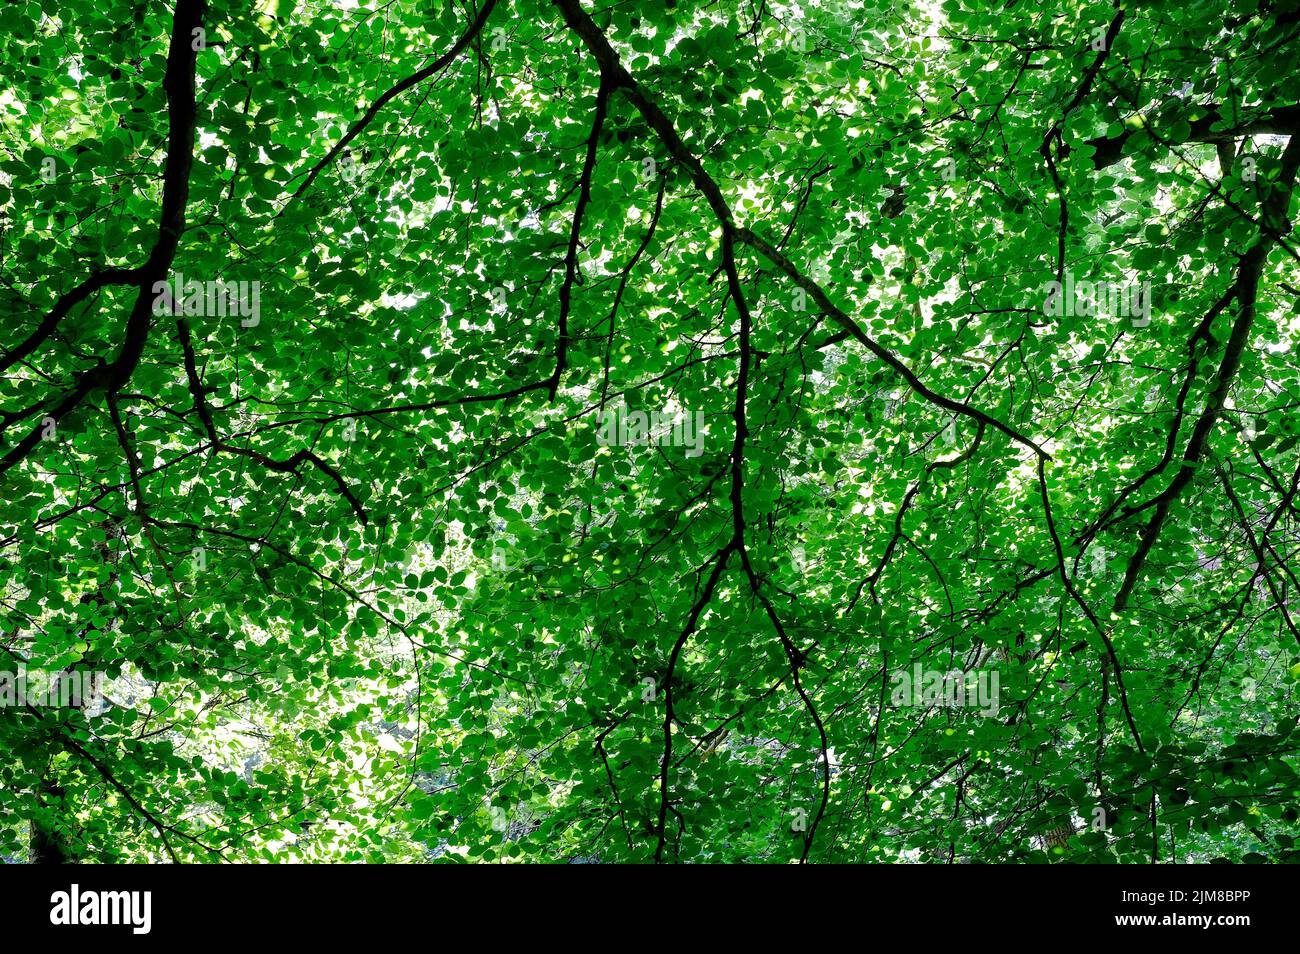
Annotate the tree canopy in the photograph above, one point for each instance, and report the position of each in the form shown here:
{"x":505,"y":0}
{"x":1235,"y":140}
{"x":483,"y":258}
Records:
{"x":502,"y":430}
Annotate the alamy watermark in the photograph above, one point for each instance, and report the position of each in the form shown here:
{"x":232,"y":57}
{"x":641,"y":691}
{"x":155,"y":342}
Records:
{"x":1083,"y":298}
{"x":210,"y":299}
{"x":954,"y":689}
{"x":621,"y":427}
{"x":74,"y":907}
{"x":78,"y":689}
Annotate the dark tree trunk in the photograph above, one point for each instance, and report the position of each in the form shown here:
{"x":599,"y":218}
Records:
{"x":49,"y":846}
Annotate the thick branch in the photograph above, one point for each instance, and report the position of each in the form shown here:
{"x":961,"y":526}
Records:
{"x":419,"y":76}
{"x":1249,"y":269}
{"x":178,"y":82}
{"x":1280,"y":120}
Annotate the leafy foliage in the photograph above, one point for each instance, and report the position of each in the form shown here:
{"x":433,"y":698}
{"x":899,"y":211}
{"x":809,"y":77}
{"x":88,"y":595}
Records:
{"x":371,"y":580}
